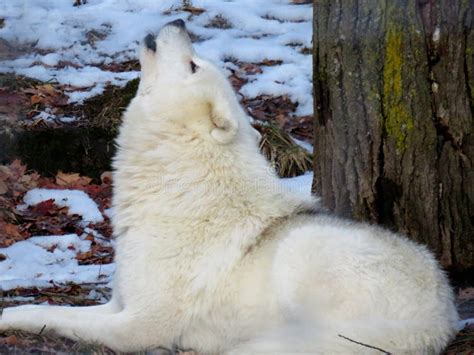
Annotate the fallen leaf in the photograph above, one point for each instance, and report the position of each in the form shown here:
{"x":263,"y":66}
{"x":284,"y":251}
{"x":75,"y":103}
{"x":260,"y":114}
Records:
{"x":193,"y":10}
{"x":9,"y":229}
{"x":44,"y":207}
{"x":35,"y":99}
{"x":17,"y":169}
{"x":72,"y":180}
{"x":3,"y":187}
{"x":46,"y":94}
{"x":106,"y":177}
{"x":10,"y":340}
{"x":251,"y":68}
{"x":84,"y":256}
{"x":270,"y":62}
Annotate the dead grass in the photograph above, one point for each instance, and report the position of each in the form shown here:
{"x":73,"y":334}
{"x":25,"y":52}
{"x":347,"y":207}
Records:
{"x":20,"y":342}
{"x":219,"y":22}
{"x":288,"y":158}
{"x":463,"y":344}
{"x":105,"y":111}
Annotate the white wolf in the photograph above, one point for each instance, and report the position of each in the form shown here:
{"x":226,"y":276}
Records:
{"x":214,"y":255}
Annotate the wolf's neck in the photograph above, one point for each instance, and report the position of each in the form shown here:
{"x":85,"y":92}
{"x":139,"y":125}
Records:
{"x":183,"y":180}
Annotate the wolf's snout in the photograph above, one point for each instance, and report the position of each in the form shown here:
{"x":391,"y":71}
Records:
{"x":177,"y":23}
{"x":150,"y":42}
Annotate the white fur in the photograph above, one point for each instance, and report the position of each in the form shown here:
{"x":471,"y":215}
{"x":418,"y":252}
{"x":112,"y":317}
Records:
{"x":213,"y":254}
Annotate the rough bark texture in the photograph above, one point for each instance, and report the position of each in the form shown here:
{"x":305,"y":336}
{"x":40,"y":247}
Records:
{"x":394,"y":139}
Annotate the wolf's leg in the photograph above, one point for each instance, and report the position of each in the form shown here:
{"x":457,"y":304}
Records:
{"x":120,"y":331}
{"x":112,"y":306}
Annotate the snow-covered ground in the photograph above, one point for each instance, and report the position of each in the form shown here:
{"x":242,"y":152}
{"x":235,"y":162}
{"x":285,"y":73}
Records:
{"x":73,"y":45}
{"x":77,"y":202}
{"x":48,"y":260}
{"x":43,"y":261}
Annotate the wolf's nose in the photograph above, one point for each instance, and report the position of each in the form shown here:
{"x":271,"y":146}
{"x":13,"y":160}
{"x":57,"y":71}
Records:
{"x":178,"y":23}
{"x":150,"y":42}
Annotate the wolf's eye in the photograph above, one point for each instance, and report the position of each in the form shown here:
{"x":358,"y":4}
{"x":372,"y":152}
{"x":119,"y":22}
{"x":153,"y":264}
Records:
{"x":194,"y":67}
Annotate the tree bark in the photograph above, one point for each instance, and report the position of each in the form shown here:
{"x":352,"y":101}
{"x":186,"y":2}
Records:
{"x":394,"y":139}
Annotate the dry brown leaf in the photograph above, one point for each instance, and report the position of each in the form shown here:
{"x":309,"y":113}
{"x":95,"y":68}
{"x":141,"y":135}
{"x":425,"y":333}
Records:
{"x":46,"y":94}
{"x":251,"y":68}
{"x":74,"y":179}
{"x":466,"y":294}
{"x":193,"y":10}
{"x":270,"y":62}
{"x":47,"y":89}
{"x":17,"y":169}
{"x":10,"y":340}
{"x":4,"y":172}
{"x":10,"y":230}
{"x":35,"y":99}
{"x":106,"y":177}
{"x":3,"y":187}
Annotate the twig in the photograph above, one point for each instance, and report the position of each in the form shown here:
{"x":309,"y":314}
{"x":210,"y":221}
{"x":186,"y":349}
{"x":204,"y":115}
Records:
{"x":42,"y":330}
{"x":2,"y":300}
{"x":100,"y":269}
{"x":366,"y":345}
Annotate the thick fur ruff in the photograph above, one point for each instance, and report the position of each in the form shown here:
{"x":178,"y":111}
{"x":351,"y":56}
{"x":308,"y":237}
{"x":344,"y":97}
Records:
{"x":215,"y":255}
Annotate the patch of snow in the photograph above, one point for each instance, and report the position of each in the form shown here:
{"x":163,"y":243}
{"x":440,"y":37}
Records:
{"x":305,"y":145}
{"x":47,"y":115}
{"x":67,"y":119}
{"x":40,"y":261}
{"x":77,"y":201}
{"x":20,"y":298}
{"x":465,"y":322}
{"x":96,"y":296}
{"x":280,"y":80}
{"x":51,"y":59}
{"x":99,"y":238}
{"x":300,"y":184}
{"x":80,"y":96}
{"x":109,"y":212}
{"x":84,"y":38}
{"x":44,"y":115}
{"x":436,"y":34}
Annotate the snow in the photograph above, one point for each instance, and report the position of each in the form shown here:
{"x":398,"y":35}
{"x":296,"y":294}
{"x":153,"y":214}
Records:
{"x":80,"y":96}
{"x":299,"y":184}
{"x":48,"y":115}
{"x":305,"y":145}
{"x":465,"y":322}
{"x":77,"y":201}
{"x":87,"y":37}
{"x":45,"y":261}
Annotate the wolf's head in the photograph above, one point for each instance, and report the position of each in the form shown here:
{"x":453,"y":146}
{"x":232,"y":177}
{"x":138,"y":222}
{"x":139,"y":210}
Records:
{"x":177,"y":85}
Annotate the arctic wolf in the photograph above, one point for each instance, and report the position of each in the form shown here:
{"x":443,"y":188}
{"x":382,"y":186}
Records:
{"x":213,"y":254}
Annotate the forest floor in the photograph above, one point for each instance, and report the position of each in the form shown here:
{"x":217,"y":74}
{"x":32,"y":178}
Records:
{"x":62,"y":90}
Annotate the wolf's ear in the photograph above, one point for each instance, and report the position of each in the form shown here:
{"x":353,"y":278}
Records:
{"x":224,"y":116}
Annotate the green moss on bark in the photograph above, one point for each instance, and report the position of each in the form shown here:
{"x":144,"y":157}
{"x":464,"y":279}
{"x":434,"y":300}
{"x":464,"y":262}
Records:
{"x":398,"y":121}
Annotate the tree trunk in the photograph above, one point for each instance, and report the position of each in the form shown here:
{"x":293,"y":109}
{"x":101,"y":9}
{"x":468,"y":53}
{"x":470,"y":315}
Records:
{"x":394,"y":139}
